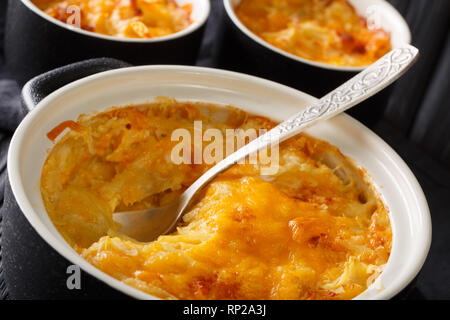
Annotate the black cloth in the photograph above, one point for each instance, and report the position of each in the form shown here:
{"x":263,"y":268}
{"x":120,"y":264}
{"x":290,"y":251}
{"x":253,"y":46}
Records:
{"x":416,"y":123}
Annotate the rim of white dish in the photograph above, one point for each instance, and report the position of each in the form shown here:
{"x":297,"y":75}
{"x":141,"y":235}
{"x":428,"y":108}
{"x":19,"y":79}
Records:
{"x":193,"y":27}
{"x":64,"y":249}
{"x":237,"y":22}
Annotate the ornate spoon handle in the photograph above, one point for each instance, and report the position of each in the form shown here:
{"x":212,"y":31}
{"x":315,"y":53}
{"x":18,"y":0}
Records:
{"x":365,"y":84}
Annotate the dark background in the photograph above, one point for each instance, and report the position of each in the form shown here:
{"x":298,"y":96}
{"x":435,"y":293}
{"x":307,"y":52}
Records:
{"x":416,"y":123}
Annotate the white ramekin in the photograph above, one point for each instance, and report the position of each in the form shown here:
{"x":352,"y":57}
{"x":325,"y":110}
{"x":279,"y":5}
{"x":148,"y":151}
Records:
{"x":384,"y":14}
{"x":199,"y":15}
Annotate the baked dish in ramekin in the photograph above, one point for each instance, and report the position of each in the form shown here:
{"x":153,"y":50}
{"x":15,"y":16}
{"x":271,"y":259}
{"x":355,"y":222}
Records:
{"x":325,"y":31}
{"x":124,"y":18}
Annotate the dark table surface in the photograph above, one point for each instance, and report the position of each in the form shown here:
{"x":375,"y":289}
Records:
{"x":416,"y":124}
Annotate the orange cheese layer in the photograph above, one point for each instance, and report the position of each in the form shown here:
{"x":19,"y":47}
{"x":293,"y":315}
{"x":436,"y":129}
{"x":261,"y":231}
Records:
{"x":328,"y":31}
{"x":314,"y":230}
{"x":121,"y":18}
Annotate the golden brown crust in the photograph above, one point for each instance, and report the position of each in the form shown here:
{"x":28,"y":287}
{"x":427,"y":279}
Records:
{"x":328,"y":31}
{"x":316,"y":230}
{"x":122,"y":18}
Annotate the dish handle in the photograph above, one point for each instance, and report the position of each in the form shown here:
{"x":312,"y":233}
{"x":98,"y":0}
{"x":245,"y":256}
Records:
{"x":41,"y":86}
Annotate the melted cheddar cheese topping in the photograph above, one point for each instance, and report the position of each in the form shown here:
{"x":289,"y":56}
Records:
{"x":121,"y":18}
{"x":314,"y":230}
{"x":328,"y":31}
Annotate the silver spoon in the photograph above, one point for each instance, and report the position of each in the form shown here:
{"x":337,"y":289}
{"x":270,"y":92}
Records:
{"x":147,"y":225}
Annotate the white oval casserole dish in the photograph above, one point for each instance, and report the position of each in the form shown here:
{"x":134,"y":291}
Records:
{"x":399,"y":189}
